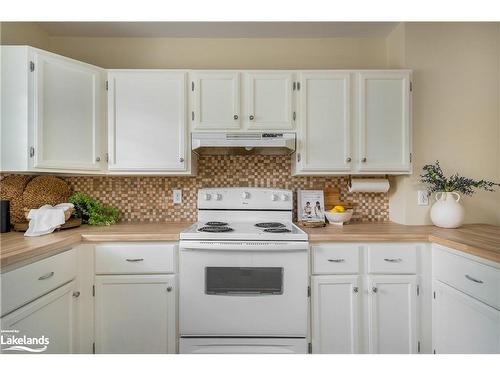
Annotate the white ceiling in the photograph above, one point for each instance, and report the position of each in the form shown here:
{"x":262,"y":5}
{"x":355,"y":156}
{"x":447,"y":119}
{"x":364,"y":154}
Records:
{"x":219,"y":29}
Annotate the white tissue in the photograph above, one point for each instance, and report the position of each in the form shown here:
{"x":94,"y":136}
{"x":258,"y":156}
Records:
{"x":369,"y":185}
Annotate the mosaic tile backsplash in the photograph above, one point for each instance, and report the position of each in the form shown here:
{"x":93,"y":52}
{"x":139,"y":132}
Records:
{"x":149,"y":199}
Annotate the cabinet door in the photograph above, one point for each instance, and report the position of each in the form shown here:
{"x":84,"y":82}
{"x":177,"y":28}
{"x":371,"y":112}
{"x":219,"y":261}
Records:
{"x":324,"y":129}
{"x":335,"y":316}
{"x":269,"y":101}
{"x":135,"y":314}
{"x":51,"y":317}
{"x":392,"y":314}
{"x":462,"y":324}
{"x":216,"y":100}
{"x":384,"y":122}
{"x":147,"y":120}
{"x":67,"y":113}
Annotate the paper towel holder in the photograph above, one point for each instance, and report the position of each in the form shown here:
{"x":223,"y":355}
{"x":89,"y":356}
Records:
{"x":349,"y":182}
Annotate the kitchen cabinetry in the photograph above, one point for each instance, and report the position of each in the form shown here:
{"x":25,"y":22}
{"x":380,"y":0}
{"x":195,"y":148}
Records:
{"x":354,"y":308}
{"x":51,"y":112}
{"x":392,"y":314}
{"x":135,"y":298}
{"x":335,"y":314}
{"x":51,"y":316}
{"x":269,"y":101}
{"x":135,"y":314}
{"x":216,"y":100}
{"x":466,"y":304}
{"x":324,"y":131}
{"x":147,"y":122}
{"x":384,"y":122}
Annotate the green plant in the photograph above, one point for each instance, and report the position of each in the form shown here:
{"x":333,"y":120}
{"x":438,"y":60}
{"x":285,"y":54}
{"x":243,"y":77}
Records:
{"x":91,"y":211}
{"x":436,"y":181}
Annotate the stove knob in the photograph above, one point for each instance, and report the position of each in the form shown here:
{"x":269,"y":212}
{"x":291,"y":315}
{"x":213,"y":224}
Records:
{"x":245,"y":195}
{"x":218,"y":197}
{"x":284,"y":197}
{"x":274,"y":197}
{"x":207,"y":197}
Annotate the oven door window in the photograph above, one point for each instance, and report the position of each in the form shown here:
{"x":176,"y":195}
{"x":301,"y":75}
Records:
{"x":243,"y":280}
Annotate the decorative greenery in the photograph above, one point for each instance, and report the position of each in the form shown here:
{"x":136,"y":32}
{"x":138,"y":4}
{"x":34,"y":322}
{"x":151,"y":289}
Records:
{"x":91,"y":211}
{"x":433,"y":176}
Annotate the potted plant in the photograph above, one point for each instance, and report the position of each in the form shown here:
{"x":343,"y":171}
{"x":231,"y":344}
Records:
{"x":447,"y":212}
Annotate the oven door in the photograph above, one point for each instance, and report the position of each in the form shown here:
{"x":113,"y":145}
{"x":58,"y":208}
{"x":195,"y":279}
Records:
{"x":233,"y":288}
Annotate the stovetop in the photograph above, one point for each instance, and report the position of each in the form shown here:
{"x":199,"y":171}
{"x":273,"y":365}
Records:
{"x":244,"y":230}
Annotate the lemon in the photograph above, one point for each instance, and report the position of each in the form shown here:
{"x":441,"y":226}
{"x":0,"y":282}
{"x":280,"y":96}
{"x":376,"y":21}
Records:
{"x":339,"y":209}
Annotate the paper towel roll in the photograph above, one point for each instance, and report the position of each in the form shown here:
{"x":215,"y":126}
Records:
{"x":369,"y":185}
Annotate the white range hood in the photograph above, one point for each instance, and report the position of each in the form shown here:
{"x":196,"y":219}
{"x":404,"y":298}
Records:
{"x":220,"y":143}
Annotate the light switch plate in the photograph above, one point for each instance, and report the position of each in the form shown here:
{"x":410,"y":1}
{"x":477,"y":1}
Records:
{"x":422,"y":198}
{"x":177,"y":196}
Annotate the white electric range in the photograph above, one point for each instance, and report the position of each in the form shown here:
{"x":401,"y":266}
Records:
{"x":243,"y":274}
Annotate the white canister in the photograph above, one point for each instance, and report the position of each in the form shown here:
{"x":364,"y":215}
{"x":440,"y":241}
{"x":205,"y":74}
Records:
{"x":447,"y":212}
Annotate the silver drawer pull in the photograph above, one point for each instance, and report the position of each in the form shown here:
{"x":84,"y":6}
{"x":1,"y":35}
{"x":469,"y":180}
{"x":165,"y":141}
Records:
{"x":135,"y":260}
{"x":46,"y":276}
{"x":393,"y":260}
{"x":473,"y":279}
{"x":338,"y":260}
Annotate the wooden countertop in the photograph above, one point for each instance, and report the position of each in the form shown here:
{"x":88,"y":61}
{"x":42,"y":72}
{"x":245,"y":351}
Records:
{"x":15,"y":248}
{"x":477,"y":239}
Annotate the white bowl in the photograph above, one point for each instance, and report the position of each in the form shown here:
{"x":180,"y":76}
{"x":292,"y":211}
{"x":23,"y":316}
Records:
{"x":339,"y":218}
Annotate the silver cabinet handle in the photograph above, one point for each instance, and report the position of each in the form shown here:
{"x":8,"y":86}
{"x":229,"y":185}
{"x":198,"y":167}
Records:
{"x":46,"y":276}
{"x":169,"y":288}
{"x":473,"y":279}
{"x":374,"y":289}
{"x":363,"y":160}
{"x":134,"y":260}
{"x":393,"y":260}
{"x":348,"y":160}
{"x":181,"y":160}
{"x":338,"y":260}
{"x":76,"y":294}
{"x":98,"y":159}
{"x":251,"y":117}
{"x":235,"y":117}
{"x":355,"y":289}
{"x":294,"y":116}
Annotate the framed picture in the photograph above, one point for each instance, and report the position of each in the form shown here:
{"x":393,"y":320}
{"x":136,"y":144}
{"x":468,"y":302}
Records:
{"x":311,"y":205}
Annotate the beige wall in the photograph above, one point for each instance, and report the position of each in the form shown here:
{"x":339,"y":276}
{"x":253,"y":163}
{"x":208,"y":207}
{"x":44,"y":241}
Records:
{"x":224,"y":53}
{"x":22,"y":33}
{"x":455,"y":110}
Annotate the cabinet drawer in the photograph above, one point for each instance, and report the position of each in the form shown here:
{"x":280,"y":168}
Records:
{"x":135,"y":258}
{"x":392,"y":258}
{"x":27,"y":283}
{"x":335,"y":258}
{"x":473,"y":278}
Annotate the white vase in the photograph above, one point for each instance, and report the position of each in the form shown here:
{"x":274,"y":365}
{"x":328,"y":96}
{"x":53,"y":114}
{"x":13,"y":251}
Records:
{"x":447,"y":212}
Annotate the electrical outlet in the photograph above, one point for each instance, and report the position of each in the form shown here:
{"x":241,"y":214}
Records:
{"x":422,"y":198}
{"x":177,"y":196}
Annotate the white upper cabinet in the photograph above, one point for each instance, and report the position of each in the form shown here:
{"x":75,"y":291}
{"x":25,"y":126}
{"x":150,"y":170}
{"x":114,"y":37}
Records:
{"x":269,"y":101}
{"x":216,"y":100}
{"x":384,"y":121}
{"x":52,"y":112}
{"x":324,"y":131}
{"x":392,"y":312}
{"x":147,"y":121}
{"x":67,"y":113}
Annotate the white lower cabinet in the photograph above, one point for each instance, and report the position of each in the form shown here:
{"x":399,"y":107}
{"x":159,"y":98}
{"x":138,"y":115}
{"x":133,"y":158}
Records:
{"x":49,"y":319}
{"x":392,"y":314}
{"x":335,"y":314}
{"x":135,"y":314}
{"x":462,"y":324}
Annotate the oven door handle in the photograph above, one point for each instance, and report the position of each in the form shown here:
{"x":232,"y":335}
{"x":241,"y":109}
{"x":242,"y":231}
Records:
{"x":243,"y":246}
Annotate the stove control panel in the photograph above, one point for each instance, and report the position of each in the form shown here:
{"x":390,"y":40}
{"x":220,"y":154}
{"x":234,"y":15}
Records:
{"x":245,"y":198}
